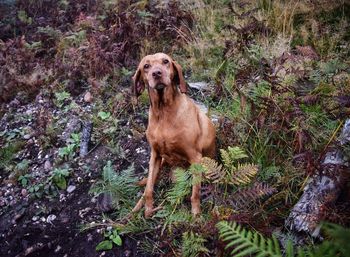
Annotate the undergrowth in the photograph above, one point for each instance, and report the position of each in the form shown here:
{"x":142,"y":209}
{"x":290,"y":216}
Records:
{"x":278,"y":81}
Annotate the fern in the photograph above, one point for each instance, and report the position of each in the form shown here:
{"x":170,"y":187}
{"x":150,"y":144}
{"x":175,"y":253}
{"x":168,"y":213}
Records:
{"x":231,"y":155}
{"x":233,"y":173}
{"x":122,"y":187}
{"x":212,"y":170}
{"x":181,"y":188}
{"x":193,"y":245}
{"x":244,"y":197}
{"x":247,"y":242}
{"x":243,"y":174}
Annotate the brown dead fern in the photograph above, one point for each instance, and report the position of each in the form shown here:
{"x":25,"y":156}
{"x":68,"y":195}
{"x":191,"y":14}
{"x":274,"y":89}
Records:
{"x":246,"y":196}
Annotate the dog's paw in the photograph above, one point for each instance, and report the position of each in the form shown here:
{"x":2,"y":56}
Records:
{"x":196,"y":211}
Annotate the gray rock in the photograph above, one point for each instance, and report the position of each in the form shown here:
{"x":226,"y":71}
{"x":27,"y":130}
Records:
{"x":105,"y":202}
{"x":199,"y":85}
{"x":47,"y":165}
{"x":50,"y":218}
{"x":71,"y":188}
{"x":24,"y":192}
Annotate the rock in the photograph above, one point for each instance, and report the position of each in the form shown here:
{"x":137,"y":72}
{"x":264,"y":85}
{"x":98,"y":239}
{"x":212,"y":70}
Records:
{"x":35,"y":218}
{"x":47,"y":165}
{"x":105,"y":202}
{"x":72,"y":126}
{"x":90,"y":237}
{"x":24,"y":192}
{"x":50,"y":218}
{"x":2,"y":202}
{"x":202,"y":107}
{"x":199,"y":85}
{"x":88,"y":97}
{"x":58,"y":248}
{"x":27,"y":136}
{"x":15,"y":103}
{"x":71,"y":188}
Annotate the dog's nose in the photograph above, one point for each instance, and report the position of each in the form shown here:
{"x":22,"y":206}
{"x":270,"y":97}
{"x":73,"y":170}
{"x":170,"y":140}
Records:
{"x":157,"y":74}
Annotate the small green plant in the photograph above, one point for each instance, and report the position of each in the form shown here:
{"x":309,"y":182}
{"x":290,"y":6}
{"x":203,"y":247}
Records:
{"x":24,"y":180}
{"x":23,"y":17}
{"x":59,"y":177}
{"x":7,"y":155}
{"x":68,"y":152}
{"x":61,"y":98}
{"x":37,"y":190}
{"x":104,"y":115}
{"x":121,"y":187}
{"x":193,"y":245}
{"x":111,"y":236}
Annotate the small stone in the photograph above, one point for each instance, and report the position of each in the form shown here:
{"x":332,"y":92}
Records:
{"x":51,"y":218}
{"x":88,"y":97}
{"x":2,"y":202}
{"x":47,"y":165}
{"x":24,"y":192}
{"x":35,"y":218}
{"x":58,"y":248}
{"x":71,"y":188}
{"x":27,"y":136}
{"x":199,"y":85}
{"x":89,"y":238}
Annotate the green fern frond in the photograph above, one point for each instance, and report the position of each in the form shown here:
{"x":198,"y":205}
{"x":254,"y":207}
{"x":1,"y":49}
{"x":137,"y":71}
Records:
{"x":181,"y":187}
{"x":213,"y":171}
{"x":231,"y":155}
{"x":245,"y":242}
{"x":122,"y":187}
{"x":193,"y":244}
{"x":244,"y":174}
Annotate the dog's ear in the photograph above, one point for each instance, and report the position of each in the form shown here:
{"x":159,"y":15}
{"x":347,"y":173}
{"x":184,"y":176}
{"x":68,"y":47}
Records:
{"x":139,"y":85}
{"x":179,"y":77}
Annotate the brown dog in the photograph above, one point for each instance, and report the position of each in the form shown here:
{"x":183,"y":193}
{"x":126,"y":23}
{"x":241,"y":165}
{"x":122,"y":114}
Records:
{"x":178,"y":132}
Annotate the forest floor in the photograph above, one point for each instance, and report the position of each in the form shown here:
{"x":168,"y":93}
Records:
{"x":273,"y":76}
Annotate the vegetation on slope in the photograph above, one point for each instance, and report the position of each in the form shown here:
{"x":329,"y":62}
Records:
{"x":279,"y":86}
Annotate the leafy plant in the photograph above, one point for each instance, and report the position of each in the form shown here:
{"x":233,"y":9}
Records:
{"x":59,"y":177}
{"x":23,"y":17}
{"x":24,"y":180}
{"x":234,"y":173}
{"x":112,"y":236}
{"x":245,"y":242}
{"x":121,"y":187}
{"x":193,"y":245}
{"x":68,"y":151}
{"x":61,"y":98}
{"x":104,"y":115}
{"x":37,"y":189}
{"x":181,"y":188}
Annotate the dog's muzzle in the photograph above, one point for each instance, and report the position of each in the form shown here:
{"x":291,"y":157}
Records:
{"x":159,"y":86}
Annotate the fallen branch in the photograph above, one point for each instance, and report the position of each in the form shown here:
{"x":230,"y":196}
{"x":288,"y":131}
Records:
{"x":322,"y":189}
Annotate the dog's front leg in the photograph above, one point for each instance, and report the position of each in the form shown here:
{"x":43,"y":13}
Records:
{"x":196,"y":187}
{"x":147,"y":197}
{"x":154,"y":166}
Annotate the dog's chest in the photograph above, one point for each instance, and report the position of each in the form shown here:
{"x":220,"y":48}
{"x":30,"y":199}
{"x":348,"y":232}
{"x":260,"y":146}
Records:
{"x":168,"y":141}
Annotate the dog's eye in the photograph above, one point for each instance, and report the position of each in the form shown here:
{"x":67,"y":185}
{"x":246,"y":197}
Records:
{"x":165,"y":61}
{"x":146,"y":66}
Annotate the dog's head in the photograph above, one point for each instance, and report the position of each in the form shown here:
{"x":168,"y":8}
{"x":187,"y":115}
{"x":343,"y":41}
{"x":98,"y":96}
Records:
{"x":158,"y":71}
